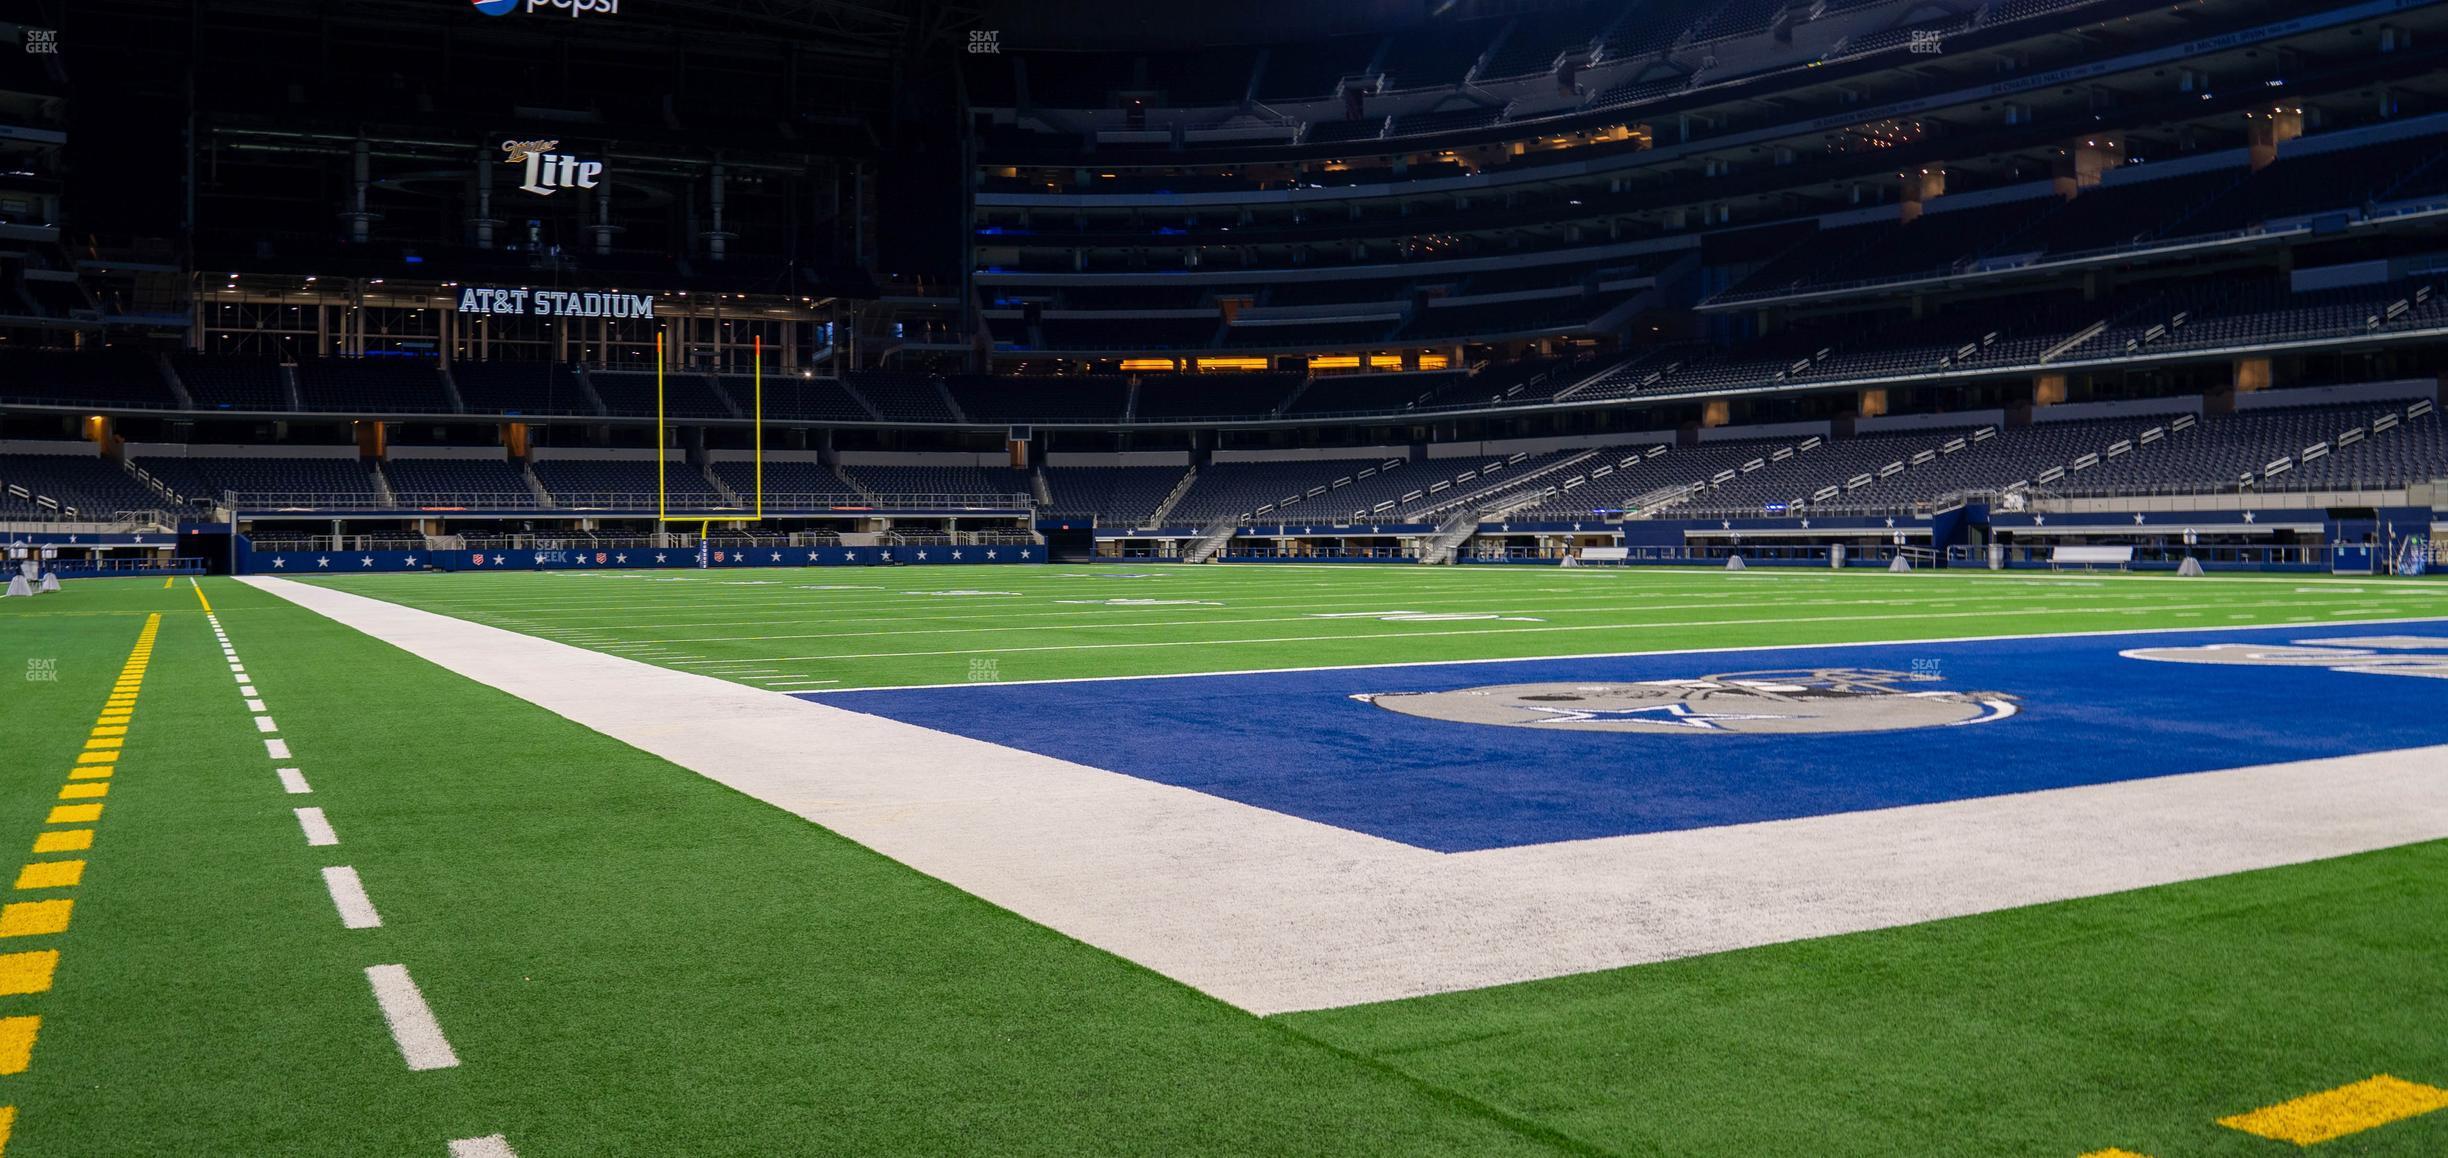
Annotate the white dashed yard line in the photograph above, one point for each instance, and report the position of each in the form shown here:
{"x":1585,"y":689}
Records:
{"x":256,"y":706}
{"x":277,"y":749}
{"x":247,"y":690}
{"x":1291,"y":914}
{"x":489,"y":1146}
{"x":316,"y":826}
{"x":265,"y":724}
{"x":412,"y":1022}
{"x":349,"y":896}
{"x":293,"y":781}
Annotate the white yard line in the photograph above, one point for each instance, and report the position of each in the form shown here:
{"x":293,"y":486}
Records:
{"x":1274,"y":913}
{"x":489,"y":1146}
{"x":317,"y":828}
{"x":412,"y":1022}
{"x":1134,"y":645}
{"x":349,"y":896}
{"x":293,"y":781}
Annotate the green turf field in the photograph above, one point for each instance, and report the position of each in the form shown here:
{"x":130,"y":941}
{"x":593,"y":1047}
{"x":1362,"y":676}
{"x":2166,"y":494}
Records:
{"x":630,"y":959}
{"x":830,"y":629}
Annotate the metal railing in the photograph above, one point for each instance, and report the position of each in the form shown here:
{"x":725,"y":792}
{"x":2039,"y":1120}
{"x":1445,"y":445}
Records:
{"x":617,"y":501}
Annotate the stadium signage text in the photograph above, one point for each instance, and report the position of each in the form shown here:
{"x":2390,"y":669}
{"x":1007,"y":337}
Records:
{"x":549,"y":172}
{"x":573,"y":7}
{"x":554,"y":303}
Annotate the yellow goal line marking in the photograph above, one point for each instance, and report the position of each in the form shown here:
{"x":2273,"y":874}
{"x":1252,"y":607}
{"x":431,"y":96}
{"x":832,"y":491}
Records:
{"x":2349,"y":1109}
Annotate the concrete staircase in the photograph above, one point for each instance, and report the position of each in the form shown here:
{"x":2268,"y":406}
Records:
{"x":1210,"y":543}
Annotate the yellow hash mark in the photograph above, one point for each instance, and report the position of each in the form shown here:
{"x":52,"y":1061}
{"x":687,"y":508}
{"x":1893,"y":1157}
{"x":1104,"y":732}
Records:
{"x":74,"y":814}
{"x":64,"y":840}
{"x":111,"y":718}
{"x":34,"y":918}
{"x":84,"y":791}
{"x":17,"y":1043}
{"x":100,"y":742}
{"x":2113,"y":1152}
{"x":8,"y":1118}
{"x":27,"y":972}
{"x":199,"y":590}
{"x":51,"y":874}
{"x":90,"y":772}
{"x":97,"y":757}
{"x":2349,"y":1109}
{"x":110,"y":730}
{"x":169,"y":581}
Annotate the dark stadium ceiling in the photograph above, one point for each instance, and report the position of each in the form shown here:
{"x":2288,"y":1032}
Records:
{"x":879,"y":30}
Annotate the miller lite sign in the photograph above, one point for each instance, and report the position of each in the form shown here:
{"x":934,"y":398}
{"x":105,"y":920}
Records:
{"x":549,"y":172}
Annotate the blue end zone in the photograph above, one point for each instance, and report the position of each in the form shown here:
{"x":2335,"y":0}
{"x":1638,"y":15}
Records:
{"x":1298,"y":743}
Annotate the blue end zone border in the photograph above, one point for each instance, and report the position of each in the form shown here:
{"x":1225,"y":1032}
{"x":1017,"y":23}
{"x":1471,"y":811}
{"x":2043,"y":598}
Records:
{"x":1297,"y":742}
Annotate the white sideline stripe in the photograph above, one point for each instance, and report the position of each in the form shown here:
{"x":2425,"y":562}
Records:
{"x":277,"y":749}
{"x":316,"y":826}
{"x":244,"y":678}
{"x":256,"y":706}
{"x":1274,"y":913}
{"x":412,"y":1022}
{"x":349,"y":896}
{"x":489,"y":1146}
{"x":265,"y":724}
{"x":237,"y":667}
{"x":1248,"y":671}
{"x":247,"y":690}
{"x":293,"y":781}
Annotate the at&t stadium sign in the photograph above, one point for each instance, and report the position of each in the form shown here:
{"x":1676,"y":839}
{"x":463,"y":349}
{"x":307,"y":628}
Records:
{"x":535,"y":303}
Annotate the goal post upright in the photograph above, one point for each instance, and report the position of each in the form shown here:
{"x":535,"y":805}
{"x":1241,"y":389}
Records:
{"x":758,"y":362}
{"x":662,"y":493}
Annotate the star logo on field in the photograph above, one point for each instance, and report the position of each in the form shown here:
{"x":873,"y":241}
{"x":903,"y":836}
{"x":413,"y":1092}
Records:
{"x":990,"y":556}
{"x":412,"y":560}
{"x":2137,"y":518}
{"x":658,"y":556}
{"x":811,"y":556}
{"x":498,"y":560}
{"x":849,"y":556}
{"x":278,"y":562}
{"x":2248,"y":515}
{"x":777,"y":556}
{"x":1679,"y":715}
{"x":1891,"y":521}
{"x":956,"y":556}
{"x":886,"y":556}
{"x":620,"y":558}
{"x":1725,"y":524}
{"x":323,"y":562}
{"x":922,"y":556}
{"x":2039,"y":520}
{"x":365,"y":560}
{"x":1806,"y":524}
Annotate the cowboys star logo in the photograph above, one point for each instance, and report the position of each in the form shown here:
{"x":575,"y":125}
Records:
{"x":1799,"y":701}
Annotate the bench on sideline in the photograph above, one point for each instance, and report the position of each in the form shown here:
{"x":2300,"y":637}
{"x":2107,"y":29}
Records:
{"x":2092,"y":557}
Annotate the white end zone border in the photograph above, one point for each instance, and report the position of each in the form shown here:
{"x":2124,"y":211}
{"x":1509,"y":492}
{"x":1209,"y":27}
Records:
{"x":1273,"y":913}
